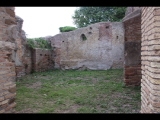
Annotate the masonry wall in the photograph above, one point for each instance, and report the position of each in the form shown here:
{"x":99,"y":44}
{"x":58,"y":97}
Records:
{"x":23,"y":54}
{"x":103,"y":48}
{"x":150,"y":56}
{"x":7,"y":64}
{"x":132,"y":47}
{"x":42,"y":60}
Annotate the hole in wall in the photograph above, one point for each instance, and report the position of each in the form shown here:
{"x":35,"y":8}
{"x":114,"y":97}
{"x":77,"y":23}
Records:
{"x":90,"y":28}
{"x":107,"y":27}
{"x":89,"y":32}
{"x":45,"y":55}
{"x":117,"y":37}
{"x":83,"y":37}
{"x":26,"y":66}
{"x":62,"y":41}
{"x":40,"y":54}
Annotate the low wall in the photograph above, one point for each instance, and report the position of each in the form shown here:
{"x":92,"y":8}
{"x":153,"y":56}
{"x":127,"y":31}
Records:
{"x":42,"y":60}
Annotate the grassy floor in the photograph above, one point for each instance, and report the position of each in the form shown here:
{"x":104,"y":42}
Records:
{"x":76,"y":92}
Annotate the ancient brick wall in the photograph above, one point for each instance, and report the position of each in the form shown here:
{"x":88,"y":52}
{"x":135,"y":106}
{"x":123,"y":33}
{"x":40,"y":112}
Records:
{"x":42,"y":60}
{"x":97,"y":47}
{"x":132,"y":48}
{"x":7,"y":65}
{"x":27,"y":60}
{"x":23,"y":53}
{"x":150,"y":56}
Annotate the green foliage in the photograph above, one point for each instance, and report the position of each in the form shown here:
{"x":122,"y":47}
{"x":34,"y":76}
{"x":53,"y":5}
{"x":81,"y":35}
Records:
{"x":67,"y":29}
{"x":31,"y":43}
{"x":88,"y":15}
{"x":38,"y":43}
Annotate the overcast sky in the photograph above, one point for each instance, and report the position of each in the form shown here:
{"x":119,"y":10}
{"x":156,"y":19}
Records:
{"x":45,"y":21}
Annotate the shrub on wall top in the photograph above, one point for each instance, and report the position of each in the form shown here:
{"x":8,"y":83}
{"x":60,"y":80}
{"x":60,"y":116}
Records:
{"x":38,"y":43}
{"x":67,"y":29}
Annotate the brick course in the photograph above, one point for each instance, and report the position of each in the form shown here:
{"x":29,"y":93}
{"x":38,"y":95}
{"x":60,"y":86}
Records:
{"x":42,"y":60}
{"x":7,"y":66}
{"x":150,"y":56}
{"x":132,"y":47}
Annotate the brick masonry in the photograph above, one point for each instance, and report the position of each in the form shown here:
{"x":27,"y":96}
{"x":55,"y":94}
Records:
{"x":42,"y":60}
{"x":16,"y":58}
{"x":132,"y":46}
{"x":103,"y":48}
{"x":142,"y":56}
{"x":150,"y":56}
{"x":7,"y":65}
{"x":23,"y":54}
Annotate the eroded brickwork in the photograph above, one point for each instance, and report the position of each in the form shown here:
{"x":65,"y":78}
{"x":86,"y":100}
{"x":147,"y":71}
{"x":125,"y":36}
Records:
{"x":7,"y":65}
{"x":17,"y":59}
{"x":101,"y":50}
{"x":42,"y":60}
{"x":23,"y":54}
{"x":150,"y":56}
{"x":132,"y":47}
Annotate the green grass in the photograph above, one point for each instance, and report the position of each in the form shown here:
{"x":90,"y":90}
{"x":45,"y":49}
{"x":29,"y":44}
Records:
{"x":75,"y":91}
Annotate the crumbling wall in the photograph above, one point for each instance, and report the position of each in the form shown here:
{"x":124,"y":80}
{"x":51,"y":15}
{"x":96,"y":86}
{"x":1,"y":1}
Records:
{"x":8,"y":37}
{"x":42,"y":60}
{"x":150,"y":82}
{"x":97,"y":47}
{"x":132,"y":46}
{"x":23,"y":54}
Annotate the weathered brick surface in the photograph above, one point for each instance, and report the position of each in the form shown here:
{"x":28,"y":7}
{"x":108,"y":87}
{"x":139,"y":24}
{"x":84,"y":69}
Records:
{"x":103,"y":48}
{"x":150,"y":56}
{"x":132,"y":46}
{"x":23,"y":54}
{"x":42,"y":60}
{"x":7,"y":65}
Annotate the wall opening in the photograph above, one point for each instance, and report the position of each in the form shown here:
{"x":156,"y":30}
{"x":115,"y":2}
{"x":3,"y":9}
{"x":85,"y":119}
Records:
{"x":83,"y":37}
{"x":89,"y":32}
{"x":107,"y":27}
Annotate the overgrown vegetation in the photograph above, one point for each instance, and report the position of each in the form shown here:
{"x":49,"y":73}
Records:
{"x":38,"y":43}
{"x":76,"y":91}
{"x":67,"y":29}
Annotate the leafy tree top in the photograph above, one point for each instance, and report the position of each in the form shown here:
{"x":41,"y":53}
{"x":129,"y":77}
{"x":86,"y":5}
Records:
{"x":85,"y":16}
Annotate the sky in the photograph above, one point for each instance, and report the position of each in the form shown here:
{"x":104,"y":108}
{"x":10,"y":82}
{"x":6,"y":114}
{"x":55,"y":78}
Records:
{"x":45,"y":21}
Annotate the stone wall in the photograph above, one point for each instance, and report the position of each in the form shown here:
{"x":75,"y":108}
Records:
{"x":132,"y":46}
{"x":97,"y":47}
{"x":42,"y":60}
{"x":150,"y":56}
{"x":7,"y":65}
